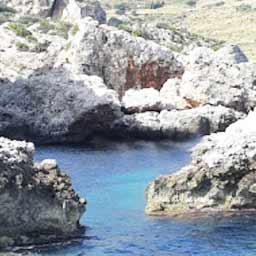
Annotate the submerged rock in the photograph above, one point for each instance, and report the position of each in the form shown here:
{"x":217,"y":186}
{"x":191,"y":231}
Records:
{"x":53,"y":106}
{"x":221,"y":176}
{"x":38,"y":204}
{"x":174,"y":124}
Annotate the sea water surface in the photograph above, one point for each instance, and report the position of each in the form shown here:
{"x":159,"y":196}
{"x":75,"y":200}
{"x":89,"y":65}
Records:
{"x":113,"y":177}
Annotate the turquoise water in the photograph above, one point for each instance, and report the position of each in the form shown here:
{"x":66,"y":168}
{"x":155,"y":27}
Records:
{"x":113,"y":178}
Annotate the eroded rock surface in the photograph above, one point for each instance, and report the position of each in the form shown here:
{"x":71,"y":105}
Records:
{"x":52,"y":106}
{"x":177,"y":40}
{"x":74,"y":10}
{"x":35,"y":199}
{"x":123,"y":61}
{"x":174,"y":124}
{"x":70,"y":10}
{"x":221,"y":176}
{"x":217,"y":78}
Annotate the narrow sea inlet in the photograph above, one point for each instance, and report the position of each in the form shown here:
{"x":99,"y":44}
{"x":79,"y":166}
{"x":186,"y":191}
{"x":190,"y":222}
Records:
{"x":113,"y":178}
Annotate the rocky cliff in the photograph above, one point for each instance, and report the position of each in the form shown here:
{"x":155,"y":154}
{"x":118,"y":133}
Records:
{"x":54,"y":107}
{"x":68,"y":77}
{"x":38,"y":204}
{"x":221,"y":176}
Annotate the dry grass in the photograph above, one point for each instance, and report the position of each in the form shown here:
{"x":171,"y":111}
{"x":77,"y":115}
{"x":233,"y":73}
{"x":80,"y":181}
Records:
{"x":226,"y":23}
{"x":223,"y":22}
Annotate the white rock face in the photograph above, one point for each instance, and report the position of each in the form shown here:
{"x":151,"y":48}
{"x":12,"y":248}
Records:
{"x":221,"y":176}
{"x":55,"y":106}
{"x":123,"y":61}
{"x":147,"y":99}
{"x":176,"y":125}
{"x":75,"y":10}
{"x":216,"y":78}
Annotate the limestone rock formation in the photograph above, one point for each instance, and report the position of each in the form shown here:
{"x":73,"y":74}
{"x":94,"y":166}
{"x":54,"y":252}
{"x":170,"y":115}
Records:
{"x":74,"y":10}
{"x":35,"y":199}
{"x":122,"y":60}
{"x":221,"y":176}
{"x":217,"y":78}
{"x":70,"y":10}
{"x":53,"y":106}
{"x":137,"y":101}
{"x":174,"y":124}
{"x":177,"y":40}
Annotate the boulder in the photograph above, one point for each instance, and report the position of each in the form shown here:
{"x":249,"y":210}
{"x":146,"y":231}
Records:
{"x":74,"y":10}
{"x":54,"y":106}
{"x":217,"y":78}
{"x":174,"y":124}
{"x":221,"y":176}
{"x":137,"y":101}
{"x":122,"y":60}
{"x":36,"y":198}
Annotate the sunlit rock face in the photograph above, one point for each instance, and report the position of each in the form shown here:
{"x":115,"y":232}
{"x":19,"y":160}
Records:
{"x":122,"y":60}
{"x":221,"y":176}
{"x":222,"y":77}
{"x":74,"y":10}
{"x":36,"y":198}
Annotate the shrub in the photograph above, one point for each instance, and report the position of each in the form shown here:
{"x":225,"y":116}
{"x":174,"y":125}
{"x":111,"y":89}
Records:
{"x":22,"y":47}
{"x":74,"y":29}
{"x":41,"y":47}
{"x":19,"y":30}
{"x":45,"y":26}
{"x":62,"y":29}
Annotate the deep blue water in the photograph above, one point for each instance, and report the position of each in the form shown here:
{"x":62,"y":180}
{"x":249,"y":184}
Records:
{"x":113,"y":178}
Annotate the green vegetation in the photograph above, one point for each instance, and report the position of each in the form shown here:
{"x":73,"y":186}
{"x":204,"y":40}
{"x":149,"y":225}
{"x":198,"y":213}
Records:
{"x":22,"y":47}
{"x":74,"y":29}
{"x":45,"y":26}
{"x":19,"y":29}
{"x":60,"y":28}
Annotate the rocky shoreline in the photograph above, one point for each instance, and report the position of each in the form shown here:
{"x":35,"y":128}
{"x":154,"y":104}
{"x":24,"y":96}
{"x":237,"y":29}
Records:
{"x":68,"y":75}
{"x":69,"y":82}
{"x":38,"y":204}
{"x":220,"y":178}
